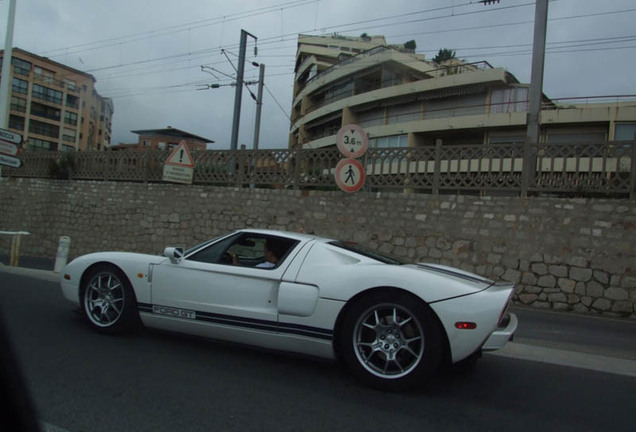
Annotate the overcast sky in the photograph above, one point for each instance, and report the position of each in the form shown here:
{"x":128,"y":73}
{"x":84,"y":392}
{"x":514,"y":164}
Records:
{"x":147,"y":54}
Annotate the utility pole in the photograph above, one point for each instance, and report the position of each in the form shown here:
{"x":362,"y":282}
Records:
{"x":6,"y":68}
{"x":535,"y":95}
{"x":239,"y":89}
{"x":259,"y":104}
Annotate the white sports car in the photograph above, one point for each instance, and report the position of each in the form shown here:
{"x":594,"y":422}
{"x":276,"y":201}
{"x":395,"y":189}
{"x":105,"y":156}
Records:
{"x":392,"y":323}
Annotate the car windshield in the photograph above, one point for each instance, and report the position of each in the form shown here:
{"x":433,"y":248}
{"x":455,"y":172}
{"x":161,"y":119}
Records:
{"x":367,"y":252}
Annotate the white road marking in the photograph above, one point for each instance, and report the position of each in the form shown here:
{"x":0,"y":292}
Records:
{"x":567,"y":358}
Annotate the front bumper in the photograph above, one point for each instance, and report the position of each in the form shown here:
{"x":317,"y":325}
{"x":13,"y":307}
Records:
{"x":502,"y":334}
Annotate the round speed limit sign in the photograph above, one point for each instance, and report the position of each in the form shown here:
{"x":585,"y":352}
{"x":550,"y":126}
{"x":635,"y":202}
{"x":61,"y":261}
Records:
{"x":352,"y":141}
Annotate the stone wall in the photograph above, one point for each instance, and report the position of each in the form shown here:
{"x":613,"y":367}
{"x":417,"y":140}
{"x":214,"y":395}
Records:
{"x":566,"y":254}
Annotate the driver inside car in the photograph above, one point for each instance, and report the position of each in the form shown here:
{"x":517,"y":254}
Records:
{"x":272,"y":254}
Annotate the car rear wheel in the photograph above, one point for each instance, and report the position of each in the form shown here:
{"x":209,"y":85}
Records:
{"x":108,"y":300}
{"x":391,"y":340}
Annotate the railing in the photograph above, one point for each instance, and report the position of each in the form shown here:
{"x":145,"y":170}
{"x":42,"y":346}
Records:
{"x":604,"y":169}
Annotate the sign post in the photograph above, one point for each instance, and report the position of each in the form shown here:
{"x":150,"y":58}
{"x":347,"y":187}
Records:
{"x":352,"y":142}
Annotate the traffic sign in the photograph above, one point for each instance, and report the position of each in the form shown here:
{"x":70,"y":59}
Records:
{"x":179,"y":167}
{"x":10,"y":161}
{"x":349,"y":175}
{"x":9,"y":136}
{"x":352,"y":141}
{"x":8,"y":148}
{"x":181,"y":156}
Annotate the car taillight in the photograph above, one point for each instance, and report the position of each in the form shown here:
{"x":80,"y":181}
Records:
{"x":503,"y":313}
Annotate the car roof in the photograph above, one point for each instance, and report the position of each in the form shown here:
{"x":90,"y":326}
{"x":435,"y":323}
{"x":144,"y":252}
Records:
{"x":289,"y":234}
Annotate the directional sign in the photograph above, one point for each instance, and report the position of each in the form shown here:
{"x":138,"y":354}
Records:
{"x":10,"y":161}
{"x":8,"y":148}
{"x":9,"y":136}
{"x":349,"y":175}
{"x":352,"y":141}
{"x":179,"y":167}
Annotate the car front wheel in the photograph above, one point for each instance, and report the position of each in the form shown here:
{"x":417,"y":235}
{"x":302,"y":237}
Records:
{"x":391,"y":340}
{"x":108,"y":301}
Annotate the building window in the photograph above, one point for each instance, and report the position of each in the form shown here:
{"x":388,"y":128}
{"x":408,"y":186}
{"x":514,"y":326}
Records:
{"x":18,"y":104}
{"x":20,"y":86}
{"x":41,"y":128}
{"x":455,"y":107}
{"x":625,"y":132}
{"x":16,"y":122}
{"x":70,"y":118}
{"x":507,"y":100}
{"x":38,"y":144}
{"x":404,"y":113}
{"x":44,"y":74}
{"x":72,"y":101}
{"x":47,"y":94}
{"x":71,"y":85}
{"x":45,"y":111}
{"x":395,"y":141}
{"x":68,"y":135}
{"x":21,"y":67}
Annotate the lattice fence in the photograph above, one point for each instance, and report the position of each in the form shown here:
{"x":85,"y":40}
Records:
{"x":565,"y":168}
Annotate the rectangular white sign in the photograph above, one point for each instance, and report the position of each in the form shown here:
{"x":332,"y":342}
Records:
{"x":8,"y":148}
{"x":177,"y":174}
{"x":10,"y":136}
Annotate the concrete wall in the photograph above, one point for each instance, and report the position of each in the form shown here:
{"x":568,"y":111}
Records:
{"x":566,"y":254}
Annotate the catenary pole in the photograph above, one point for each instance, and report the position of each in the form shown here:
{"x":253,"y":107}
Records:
{"x":239,"y":89}
{"x":259,"y":104}
{"x":535,"y":95}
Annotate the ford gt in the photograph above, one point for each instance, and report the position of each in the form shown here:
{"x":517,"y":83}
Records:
{"x":392,"y":323}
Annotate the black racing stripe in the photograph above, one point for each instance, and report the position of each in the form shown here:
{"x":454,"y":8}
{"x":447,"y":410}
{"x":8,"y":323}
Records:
{"x":257,"y":324}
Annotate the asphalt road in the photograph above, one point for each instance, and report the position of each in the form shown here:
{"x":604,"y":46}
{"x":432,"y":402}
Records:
{"x":152,"y":381}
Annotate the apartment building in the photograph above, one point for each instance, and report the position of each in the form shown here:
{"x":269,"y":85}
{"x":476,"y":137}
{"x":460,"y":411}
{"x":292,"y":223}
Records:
{"x":55,"y":107}
{"x":403,"y":100}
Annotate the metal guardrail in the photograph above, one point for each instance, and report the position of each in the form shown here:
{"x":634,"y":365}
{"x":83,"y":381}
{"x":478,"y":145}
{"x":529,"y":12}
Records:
{"x":604,"y":169}
{"x":14,"y":256}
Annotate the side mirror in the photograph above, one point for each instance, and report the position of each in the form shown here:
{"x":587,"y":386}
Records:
{"x":174,"y":253}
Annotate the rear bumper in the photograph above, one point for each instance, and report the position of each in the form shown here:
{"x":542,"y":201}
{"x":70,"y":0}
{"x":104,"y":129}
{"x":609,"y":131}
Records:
{"x":502,"y":334}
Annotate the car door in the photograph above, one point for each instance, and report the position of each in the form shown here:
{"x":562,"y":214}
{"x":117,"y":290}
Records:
{"x":206,"y":287}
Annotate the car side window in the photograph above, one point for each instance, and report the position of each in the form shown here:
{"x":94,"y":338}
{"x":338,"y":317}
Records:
{"x":213,"y":254}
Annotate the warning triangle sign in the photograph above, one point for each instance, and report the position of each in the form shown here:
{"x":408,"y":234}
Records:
{"x":181,"y":156}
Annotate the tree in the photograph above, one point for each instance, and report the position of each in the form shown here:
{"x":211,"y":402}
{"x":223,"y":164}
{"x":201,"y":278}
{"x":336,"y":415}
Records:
{"x":410,"y":45}
{"x":443,"y":55}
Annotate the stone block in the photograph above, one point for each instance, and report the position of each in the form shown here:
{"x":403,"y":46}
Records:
{"x":602,"y":304}
{"x":580,"y":274}
{"x":614,"y":293}
{"x":601,"y":277}
{"x":511,"y":275}
{"x":628,"y":282}
{"x":547,"y":281}
{"x":594,"y":289}
{"x":558,"y":270}
{"x":527,"y":298}
{"x":623,"y":307}
{"x":529,"y":279}
{"x":578,"y":261}
{"x":580,"y":308}
{"x":557,"y":298}
{"x":539,"y":268}
{"x":566,"y":285}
